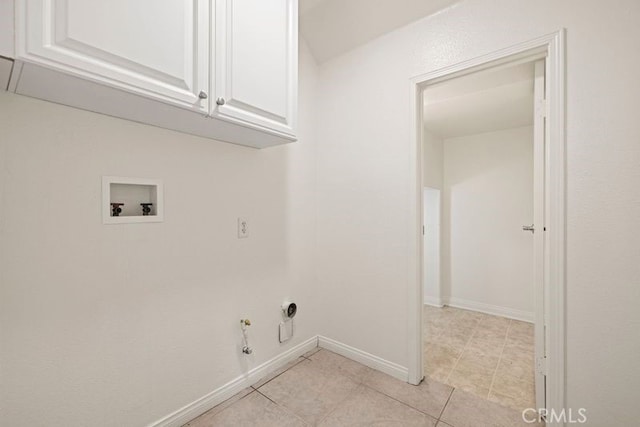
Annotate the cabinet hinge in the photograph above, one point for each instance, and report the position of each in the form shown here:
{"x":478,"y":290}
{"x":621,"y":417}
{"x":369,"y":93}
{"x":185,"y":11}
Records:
{"x":541,"y":108}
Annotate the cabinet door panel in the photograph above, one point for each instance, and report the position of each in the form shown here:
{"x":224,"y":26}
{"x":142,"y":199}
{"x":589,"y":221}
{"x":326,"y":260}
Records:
{"x":156,"y":49}
{"x":256,"y":63}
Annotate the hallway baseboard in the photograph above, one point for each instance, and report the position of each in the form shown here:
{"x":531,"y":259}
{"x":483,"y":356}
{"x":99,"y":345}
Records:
{"x":433,"y":301}
{"x":510,"y":313}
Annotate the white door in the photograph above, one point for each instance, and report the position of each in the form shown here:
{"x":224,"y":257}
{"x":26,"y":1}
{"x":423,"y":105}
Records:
{"x":431,"y":235}
{"x":539,"y":231}
{"x":256,"y":64}
{"x":154,"y":49}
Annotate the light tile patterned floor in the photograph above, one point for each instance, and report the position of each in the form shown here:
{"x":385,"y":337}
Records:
{"x":325,"y":389}
{"x":489,"y":356}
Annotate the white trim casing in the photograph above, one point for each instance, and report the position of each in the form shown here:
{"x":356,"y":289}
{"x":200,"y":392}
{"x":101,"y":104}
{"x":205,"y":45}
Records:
{"x":416,"y":240}
{"x":555,"y":215}
{"x":551,"y":47}
{"x":539,"y":178}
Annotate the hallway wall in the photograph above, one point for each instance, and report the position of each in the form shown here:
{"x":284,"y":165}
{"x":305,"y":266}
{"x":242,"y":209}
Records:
{"x":487,"y":260}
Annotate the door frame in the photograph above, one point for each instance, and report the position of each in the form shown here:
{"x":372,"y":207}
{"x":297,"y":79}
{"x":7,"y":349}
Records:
{"x":552,"y":48}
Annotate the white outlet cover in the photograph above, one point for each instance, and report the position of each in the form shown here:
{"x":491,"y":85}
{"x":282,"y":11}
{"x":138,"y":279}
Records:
{"x":243,"y":228}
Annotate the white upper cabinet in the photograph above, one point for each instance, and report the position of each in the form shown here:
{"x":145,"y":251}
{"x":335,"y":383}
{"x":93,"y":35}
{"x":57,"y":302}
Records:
{"x":256,"y":63}
{"x":150,"y":48}
{"x":155,"y":49}
{"x":223,"y":69}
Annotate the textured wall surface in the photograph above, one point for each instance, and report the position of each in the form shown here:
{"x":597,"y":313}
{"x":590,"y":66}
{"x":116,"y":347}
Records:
{"x":487,"y":198}
{"x":363,"y":163}
{"x":120,"y":325}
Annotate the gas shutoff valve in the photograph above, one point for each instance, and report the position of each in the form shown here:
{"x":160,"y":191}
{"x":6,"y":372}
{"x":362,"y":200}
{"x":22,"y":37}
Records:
{"x":244,"y":324}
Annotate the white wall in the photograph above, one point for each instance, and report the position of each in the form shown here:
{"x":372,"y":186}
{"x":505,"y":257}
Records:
{"x":433,"y":153}
{"x":432,"y":247}
{"x":93,"y":334}
{"x":487,"y":260}
{"x":6,"y":29}
{"x":363,"y":154}
{"x":120,"y":325}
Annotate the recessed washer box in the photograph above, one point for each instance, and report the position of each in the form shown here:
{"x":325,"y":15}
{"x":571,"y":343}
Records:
{"x":125,"y":200}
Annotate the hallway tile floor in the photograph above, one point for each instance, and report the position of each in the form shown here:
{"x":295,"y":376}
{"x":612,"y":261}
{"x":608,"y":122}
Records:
{"x":325,"y":389}
{"x":489,"y":356}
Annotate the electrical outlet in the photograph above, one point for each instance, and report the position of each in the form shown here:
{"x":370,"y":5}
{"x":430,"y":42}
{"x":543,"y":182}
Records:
{"x":243,"y":228}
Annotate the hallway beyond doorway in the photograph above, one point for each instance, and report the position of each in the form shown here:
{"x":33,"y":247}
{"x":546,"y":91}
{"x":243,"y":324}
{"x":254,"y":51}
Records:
{"x":489,"y":356}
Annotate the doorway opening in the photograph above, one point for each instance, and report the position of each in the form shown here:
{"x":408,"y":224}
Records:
{"x":492,"y":252}
{"x":478,"y":144}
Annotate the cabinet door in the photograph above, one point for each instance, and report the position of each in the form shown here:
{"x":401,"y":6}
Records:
{"x":155,"y":49}
{"x":256,"y":64}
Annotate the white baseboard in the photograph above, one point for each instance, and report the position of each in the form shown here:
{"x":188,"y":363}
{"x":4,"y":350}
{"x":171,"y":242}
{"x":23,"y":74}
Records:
{"x":202,"y":405}
{"x":510,"y":313}
{"x":433,"y":301}
{"x":375,"y":362}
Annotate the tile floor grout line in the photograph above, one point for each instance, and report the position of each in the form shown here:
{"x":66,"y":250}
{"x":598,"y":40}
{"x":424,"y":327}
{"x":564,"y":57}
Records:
{"x":296,"y":415}
{"x":271,"y":379}
{"x":267,"y":397}
{"x":500,"y":356}
{"x":317,"y":350}
{"x":446,"y":403}
{"x":495,"y":372}
{"x":222,"y":403}
{"x":455,"y":365}
{"x":400,"y":401}
{"x":361,"y":386}
{"x":448,"y":322}
{"x":284,"y":408}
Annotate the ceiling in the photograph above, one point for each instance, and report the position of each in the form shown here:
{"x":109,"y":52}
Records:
{"x":332,"y":27}
{"x":495,"y":99}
